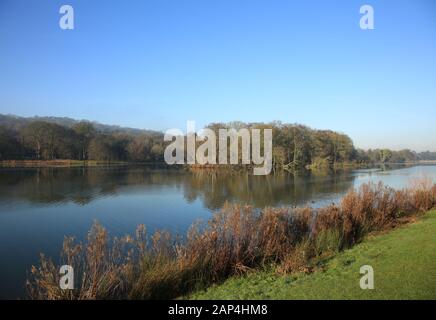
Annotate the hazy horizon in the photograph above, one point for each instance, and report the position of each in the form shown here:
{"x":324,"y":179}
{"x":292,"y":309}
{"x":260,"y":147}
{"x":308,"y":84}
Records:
{"x":155,"y":65}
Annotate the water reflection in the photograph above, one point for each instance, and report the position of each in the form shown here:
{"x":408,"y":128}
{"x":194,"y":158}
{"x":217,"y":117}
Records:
{"x":81,"y":186}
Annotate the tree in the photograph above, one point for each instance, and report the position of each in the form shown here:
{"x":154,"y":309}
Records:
{"x":9,"y":144}
{"x":343,"y":149}
{"x":323,"y":149}
{"x":101,"y":148}
{"x":385,"y":155}
{"x":296,"y":142}
{"x":85,"y":132}
{"x":35,"y":135}
{"x":49,"y":140}
{"x":157,"y":152}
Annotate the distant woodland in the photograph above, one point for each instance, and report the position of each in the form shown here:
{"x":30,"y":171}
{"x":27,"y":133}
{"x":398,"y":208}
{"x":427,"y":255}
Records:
{"x":294,"y":145}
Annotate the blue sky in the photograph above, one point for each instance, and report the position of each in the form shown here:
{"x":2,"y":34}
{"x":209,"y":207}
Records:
{"x":157,"y":63}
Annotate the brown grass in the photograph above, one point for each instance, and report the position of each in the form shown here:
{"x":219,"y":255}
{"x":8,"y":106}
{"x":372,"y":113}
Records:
{"x":54,"y":163}
{"x":236,"y":240}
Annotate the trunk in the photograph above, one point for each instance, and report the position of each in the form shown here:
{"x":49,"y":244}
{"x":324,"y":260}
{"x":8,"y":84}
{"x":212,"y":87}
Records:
{"x":38,"y":150}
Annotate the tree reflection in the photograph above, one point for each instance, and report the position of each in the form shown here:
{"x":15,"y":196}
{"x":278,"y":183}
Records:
{"x":213,"y":188}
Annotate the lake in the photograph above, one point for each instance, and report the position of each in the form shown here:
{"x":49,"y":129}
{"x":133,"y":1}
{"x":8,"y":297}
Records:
{"x":39,"y":206}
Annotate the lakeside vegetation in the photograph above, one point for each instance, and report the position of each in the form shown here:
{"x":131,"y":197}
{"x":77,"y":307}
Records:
{"x":236,"y":241}
{"x":295,"y":146}
{"x":57,"y":163}
{"x":403,"y":262}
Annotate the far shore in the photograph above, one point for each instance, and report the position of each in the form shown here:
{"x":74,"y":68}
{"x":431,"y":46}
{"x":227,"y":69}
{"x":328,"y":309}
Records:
{"x":426,"y":161}
{"x":56,"y":163}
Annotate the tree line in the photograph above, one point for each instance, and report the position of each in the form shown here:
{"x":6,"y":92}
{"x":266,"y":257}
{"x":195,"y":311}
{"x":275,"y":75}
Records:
{"x":295,"y":146}
{"x":41,"y":140}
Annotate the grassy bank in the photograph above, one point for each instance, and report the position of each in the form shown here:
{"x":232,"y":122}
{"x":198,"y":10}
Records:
{"x":236,"y":241}
{"x":55,"y":163}
{"x":404,"y":262}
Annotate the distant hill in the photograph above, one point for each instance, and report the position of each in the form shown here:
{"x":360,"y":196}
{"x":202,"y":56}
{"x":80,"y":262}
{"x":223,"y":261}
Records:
{"x":16,"y":123}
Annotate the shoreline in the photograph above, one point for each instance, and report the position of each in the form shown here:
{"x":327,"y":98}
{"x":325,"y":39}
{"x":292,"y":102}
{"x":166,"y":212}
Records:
{"x":62,"y":163}
{"x":66,"y":163}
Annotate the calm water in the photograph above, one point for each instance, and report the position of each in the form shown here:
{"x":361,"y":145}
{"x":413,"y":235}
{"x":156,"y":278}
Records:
{"x":39,"y":206}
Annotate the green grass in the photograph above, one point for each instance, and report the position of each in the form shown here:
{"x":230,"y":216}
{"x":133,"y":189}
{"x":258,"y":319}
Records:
{"x":404,"y":262}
